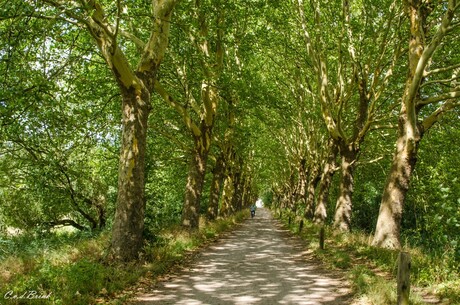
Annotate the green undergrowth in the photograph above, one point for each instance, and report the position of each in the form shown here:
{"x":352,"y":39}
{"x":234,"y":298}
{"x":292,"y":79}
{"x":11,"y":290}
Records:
{"x":74,"y":269}
{"x":372,"y":271}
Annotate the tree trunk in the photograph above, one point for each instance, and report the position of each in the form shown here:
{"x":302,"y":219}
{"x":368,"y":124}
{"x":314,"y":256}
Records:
{"x":302,"y":183}
{"x":194,"y":189}
{"x":342,"y":218}
{"x":323,"y":197}
{"x":313,"y":181}
{"x":227,"y":195}
{"x":324,"y":186}
{"x":236,"y":203}
{"x":128,"y":224}
{"x":248,"y":197}
{"x":387,"y":232}
{"x":213,"y":206}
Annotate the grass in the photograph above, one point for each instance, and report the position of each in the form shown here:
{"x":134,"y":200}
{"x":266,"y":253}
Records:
{"x":372,"y":271}
{"x":73,"y":269}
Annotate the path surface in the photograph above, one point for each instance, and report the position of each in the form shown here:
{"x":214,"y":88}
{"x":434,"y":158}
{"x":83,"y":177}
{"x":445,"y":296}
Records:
{"x":258,"y":263}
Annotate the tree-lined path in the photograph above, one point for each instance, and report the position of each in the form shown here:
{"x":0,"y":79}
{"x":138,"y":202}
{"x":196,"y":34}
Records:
{"x":133,"y":131}
{"x":258,"y":263}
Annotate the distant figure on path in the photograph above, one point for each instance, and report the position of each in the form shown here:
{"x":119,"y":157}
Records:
{"x":253,"y":210}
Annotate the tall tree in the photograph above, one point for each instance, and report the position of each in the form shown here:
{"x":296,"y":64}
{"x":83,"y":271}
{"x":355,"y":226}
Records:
{"x":198,"y":105}
{"x":57,"y":122}
{"x":431,"y":85}
{"x":350,"y":77}
{"x":110,"y":27}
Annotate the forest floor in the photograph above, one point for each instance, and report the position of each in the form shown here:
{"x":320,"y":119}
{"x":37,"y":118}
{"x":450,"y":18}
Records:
{"x":257,"y":263}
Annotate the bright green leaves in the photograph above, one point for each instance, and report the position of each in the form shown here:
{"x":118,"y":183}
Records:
{"x":56,"y":105}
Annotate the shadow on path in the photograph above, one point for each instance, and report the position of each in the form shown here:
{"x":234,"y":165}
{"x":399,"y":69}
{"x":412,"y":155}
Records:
{"x":255,"y":264}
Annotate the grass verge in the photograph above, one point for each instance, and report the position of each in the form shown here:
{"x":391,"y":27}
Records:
{"x":372,"y":271}
{"x":73,"y":270}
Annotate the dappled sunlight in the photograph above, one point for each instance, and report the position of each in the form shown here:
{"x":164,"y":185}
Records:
{"x":256,"y":264}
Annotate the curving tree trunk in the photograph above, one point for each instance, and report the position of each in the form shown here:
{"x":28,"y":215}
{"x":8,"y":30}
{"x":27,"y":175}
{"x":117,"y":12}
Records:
{"x":410,"y":126}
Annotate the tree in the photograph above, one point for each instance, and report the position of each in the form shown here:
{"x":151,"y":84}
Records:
{"x":206,"y":56}
{"x":431,"y":85}
{"x":111,"y":28}
{"x":211,"y":59}
{"x":351,"y":67}
{"x":57,"y":127}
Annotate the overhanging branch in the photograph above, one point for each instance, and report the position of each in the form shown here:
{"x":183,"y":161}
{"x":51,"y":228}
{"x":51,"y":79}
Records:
{"x":439,"y":98}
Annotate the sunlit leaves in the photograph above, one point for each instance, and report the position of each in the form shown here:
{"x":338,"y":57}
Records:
{"x":57,"y":104}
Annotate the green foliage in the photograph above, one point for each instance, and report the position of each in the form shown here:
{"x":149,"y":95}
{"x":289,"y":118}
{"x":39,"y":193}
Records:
{"x":58,"y":127}
{"x":361,"y":278}
{"x":164,"y":195}
{"x":432,"y":219}
{"x":341,"y":260}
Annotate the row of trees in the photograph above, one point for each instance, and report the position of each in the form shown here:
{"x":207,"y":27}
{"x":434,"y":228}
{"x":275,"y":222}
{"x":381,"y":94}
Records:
{"x":61,"y":111}
{"x":377,"y":66}
{"x":138,"y":114}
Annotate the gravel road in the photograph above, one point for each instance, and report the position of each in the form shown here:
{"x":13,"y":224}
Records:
{"x":258,"y":263}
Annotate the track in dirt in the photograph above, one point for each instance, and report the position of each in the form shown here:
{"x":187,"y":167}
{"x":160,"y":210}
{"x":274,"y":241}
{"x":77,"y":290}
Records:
{"x":258,"y":263}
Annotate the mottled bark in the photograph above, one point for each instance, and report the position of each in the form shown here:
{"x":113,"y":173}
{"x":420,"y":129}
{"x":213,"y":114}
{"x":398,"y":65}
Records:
{"x":387,"y":232}
{"x":237,"y":198}
{"x":248,"y":194}
{"x":216,"y":183}
{"x":136,"y":86}
{"x":211,"y":68}
{"x":194,"y":189}
{"x":302,"y":183}
{"x":227,"y":195}
{"x":129,"y":216}
{"x":325,"y":184}
{"x":343,"y":210}
{"x":314,"y":179}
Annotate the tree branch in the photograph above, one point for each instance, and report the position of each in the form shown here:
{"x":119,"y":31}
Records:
{"x":172,"y":138}
{"x":67,"y":222}
{"x":439,"y":98}
{"x":74,"y":200}
{"x":137,"y":41}
{"x":439,"y":81}
{"x":438,"y":114}
{"x":178,"y":107}
{"x":440,"y":70}
{"x":429,"y":50}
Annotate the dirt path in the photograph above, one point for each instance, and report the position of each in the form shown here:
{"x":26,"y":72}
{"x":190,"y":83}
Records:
{"x":258,"y":263}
